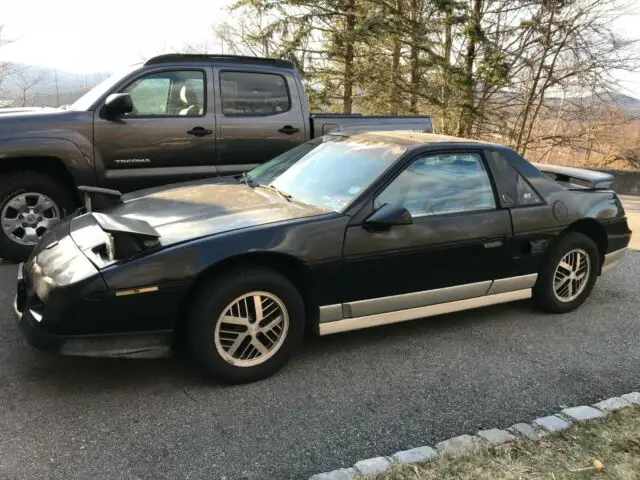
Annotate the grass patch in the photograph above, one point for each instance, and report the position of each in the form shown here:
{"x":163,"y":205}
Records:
{"x":613,"y":440}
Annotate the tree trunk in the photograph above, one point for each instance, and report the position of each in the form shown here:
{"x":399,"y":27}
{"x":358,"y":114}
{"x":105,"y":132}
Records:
{"x":394,"y":98}
{"x":466,"y":122}
{"x":446,"y":90}
{"x":347,"y":98}
{"x":414,"y":55}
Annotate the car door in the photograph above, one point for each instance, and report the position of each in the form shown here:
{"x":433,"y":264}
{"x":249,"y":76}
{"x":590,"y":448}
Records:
{"x":452,"y":250}
{"x":260,"y":117}
{"x":169,"y":136}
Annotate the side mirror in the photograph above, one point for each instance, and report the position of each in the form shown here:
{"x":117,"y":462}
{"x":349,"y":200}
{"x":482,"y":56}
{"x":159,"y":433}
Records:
{"x":387,"y":216}
{"x":118,"y":104}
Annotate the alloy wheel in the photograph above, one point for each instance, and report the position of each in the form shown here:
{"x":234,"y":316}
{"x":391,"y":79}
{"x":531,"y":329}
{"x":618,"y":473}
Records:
{"x":251,"y":329}
{"x":27,"y":216}
{"x":571,"y":275}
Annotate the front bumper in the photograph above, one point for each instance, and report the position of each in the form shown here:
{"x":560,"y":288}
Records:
{"x":154,"y":344}
{"x":612,"y":259}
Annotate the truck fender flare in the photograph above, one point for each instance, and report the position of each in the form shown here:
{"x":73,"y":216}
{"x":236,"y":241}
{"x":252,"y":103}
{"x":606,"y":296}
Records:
{"x":78,"y":163}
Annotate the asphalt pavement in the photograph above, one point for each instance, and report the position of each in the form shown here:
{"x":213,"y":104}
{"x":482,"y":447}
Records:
{"x":343,"y":398}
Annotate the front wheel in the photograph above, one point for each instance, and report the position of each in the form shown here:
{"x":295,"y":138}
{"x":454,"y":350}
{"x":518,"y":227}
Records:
{"x":244,"y":326}
{"x":568,"y":274}
{"x":30,"y":204}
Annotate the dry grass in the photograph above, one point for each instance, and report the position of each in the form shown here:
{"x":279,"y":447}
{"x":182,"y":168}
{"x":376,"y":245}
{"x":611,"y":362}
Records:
{"x":614,"y":441}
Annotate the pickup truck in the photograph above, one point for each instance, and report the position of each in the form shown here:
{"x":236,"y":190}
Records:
{"x":176,"y":117}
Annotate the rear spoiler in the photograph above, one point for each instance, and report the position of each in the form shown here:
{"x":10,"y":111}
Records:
{"x":593,"y":179}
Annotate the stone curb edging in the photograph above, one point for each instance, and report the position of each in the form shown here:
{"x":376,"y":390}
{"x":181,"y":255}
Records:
{"x":466,"y":444}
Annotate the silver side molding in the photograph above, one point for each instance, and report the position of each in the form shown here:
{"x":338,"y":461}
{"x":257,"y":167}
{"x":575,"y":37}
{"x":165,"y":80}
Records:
{"x":511,"y":284}
{"x":407,"y":301}
{"x":330,"y":313}
{"x":413,"y":300}
{"x":611,"y":260}
{"x":328,"y":328}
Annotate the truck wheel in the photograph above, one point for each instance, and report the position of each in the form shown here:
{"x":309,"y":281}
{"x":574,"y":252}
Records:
{"x":245,"y":325}
{"x":30,"y":204}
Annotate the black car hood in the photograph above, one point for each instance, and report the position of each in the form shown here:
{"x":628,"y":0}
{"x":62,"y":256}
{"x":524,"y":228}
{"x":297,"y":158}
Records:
{"x":191,"y":210}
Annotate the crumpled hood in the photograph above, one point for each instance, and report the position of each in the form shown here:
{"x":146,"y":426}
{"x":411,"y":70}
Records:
{"x":190,"y":210}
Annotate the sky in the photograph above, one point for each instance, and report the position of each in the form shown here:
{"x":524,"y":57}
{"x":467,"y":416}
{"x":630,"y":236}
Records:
{"x":87,"y":36}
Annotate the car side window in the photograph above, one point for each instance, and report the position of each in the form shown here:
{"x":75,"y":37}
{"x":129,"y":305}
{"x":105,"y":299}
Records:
{"x":253,"y":94}
{"x":515,"y":190}
{"x":171,"y":93}
{"x":441,"y":184}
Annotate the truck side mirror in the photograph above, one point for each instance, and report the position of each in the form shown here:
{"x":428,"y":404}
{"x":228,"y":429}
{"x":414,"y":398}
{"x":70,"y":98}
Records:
{"x":118,"y":104}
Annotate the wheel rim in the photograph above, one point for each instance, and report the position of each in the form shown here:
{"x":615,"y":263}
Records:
{"x":27,"y":216}
{"x":251,"y":329}
{"x":571,"y":275}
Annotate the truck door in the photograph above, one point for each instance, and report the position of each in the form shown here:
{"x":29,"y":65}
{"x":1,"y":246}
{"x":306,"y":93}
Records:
{"x":260,"y":117}
{"x":168,"y":137}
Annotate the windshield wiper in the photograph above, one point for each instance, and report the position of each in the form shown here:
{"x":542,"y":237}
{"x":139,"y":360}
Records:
{"x":244,"y":178}
{"x":284,"y":195}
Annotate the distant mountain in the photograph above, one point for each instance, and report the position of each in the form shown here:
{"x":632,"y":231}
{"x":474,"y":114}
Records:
{"x":626,"y":102}
{"x":48,"y":87}
{"x":630,"y":105}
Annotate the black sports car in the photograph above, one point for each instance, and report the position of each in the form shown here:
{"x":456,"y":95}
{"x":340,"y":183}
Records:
{"x":340,"y":233}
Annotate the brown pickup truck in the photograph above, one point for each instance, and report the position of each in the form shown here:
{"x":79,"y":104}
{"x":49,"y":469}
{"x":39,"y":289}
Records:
{"x":176,"y":117}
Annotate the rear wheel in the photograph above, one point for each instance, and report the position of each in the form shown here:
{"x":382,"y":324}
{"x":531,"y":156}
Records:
{"x":245,"y":325}
{"x":30,"y":204}
{"x":568,"y":273}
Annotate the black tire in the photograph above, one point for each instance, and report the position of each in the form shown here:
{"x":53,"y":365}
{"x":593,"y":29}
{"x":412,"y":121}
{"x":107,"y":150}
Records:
{"x":214,"y":296}
{"x":543,"y":291}
{"x":15,"y":183}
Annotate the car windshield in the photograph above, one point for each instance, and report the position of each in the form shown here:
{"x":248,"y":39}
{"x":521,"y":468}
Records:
{"x":88,"y":99}
{"x":328,"y":172}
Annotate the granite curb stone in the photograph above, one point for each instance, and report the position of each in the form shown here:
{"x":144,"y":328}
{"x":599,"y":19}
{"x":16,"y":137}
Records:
{"x":633,"y":397}
{"x":612,"y":404}
{"x":495,"y":436}
{"x":582,"y":413}
{"x":552,"y":423}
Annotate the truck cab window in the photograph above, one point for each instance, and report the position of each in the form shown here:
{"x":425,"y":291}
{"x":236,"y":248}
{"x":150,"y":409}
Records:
{"x":173,"y":93}
{"x":254,"y":94}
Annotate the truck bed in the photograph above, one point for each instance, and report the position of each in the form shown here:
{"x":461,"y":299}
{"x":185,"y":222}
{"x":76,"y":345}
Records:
{"x":325,"y":123}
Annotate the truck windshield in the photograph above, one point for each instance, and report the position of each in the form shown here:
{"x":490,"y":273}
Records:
{"x":86,"y":101}
{"x":333,"y":172}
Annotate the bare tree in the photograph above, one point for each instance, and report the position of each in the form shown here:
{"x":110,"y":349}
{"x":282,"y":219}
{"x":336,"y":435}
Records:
{"x":5,"y":67}
{"x":26,"y":81}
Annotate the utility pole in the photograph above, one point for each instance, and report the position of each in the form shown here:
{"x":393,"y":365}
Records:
{"x":55,"y":72}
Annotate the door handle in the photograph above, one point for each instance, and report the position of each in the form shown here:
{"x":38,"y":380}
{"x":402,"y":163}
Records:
{"x":289,"y":130}
{"x":493,"y":243}
{"x":199,"y":131}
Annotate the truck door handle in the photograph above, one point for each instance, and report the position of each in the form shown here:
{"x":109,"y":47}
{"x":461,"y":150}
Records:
{"x":199,"y":131}
{"x":289,"y":130}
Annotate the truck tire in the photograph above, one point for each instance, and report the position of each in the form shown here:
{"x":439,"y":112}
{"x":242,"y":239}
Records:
{"x":30,"y":204}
